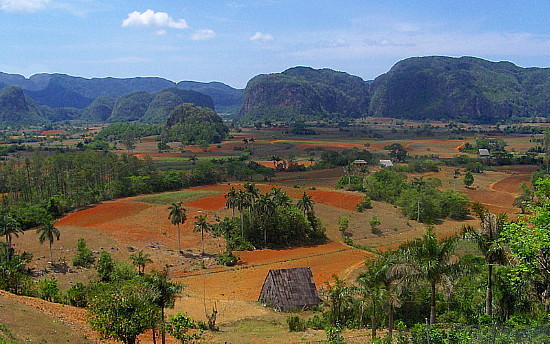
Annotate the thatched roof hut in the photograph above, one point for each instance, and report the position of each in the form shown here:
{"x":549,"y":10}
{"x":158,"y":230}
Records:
{"x":285,"y":289}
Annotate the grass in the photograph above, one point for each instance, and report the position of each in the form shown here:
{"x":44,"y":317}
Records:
{"x":178,"y":196}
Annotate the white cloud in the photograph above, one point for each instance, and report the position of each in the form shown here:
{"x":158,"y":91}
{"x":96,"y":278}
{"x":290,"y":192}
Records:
{"x":23,"y":5}
{"x":160,"y":32}
{"x":151,"y":18}
{"x":258,"y":36}
{"x":203,"y":35}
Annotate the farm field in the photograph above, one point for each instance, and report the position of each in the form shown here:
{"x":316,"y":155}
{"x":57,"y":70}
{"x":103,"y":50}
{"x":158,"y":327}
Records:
{"x":127,"y":225}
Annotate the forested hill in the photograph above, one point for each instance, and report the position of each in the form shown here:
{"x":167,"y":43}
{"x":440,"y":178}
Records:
{"x":304,"y":93}
{"x":60,"y":90}
{"x":468,"y":89}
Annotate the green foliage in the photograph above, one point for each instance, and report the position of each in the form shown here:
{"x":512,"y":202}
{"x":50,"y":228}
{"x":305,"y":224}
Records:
{"x":77,"y":295}
{"x":343,"y":224}
{"x":226,"y":258}
{"x":366,"y":203}
{"x":179,"y":325}
{"x":105,"y":266}
{"x":295,"y":323}
{"x":83,"y":257}
{"x":374,"y":222}
{"x":334,"y":335}
{"x":122,"y":310}
{"x":397,"y":152}
{"x":317,"y":322}
{"x":345,"y":157}
{"x":351,"y":183}
{"x":192,"y":124}
{"x":122,"y":131}
{"x":14,"y":275}
{"x":468,"y":179}
{"x":422,"y":334}
{"x":47,"y":289}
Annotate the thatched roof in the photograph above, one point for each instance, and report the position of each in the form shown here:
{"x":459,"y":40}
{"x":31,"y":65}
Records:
{"x":285,"y":289}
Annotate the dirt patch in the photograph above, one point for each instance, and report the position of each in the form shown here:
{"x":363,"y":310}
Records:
{"x":102,"y":213}
{"x":338,"y":199}
{"x":215,"y":202}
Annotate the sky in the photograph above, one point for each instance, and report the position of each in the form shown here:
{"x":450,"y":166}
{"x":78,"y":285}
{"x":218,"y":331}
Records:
{"x":232,"y":41}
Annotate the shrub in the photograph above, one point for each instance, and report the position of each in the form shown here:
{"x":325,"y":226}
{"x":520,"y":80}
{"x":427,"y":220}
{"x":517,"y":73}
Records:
{"x":47,"y":289}
{"x":364,"y":204}
{"x":77,"y":295}
{"x":179,"y":325}
{"x":317,"y":323}
{"x":295,"y":323}
{"x":226,"y":258}
{"x":83,"y":257}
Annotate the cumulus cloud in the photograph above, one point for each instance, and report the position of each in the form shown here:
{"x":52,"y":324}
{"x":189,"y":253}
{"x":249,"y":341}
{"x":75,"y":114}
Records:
{"x":258,"y":36}
{"x":151,"y":18}
{"x":22,"y":5}
{"x":203,"y":35}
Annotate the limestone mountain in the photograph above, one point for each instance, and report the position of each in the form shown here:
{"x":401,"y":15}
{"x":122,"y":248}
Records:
{"x":304,"y":93}
{"x":466,"y":89}
{"x":17,"y":109}
{"x":193,"y":124}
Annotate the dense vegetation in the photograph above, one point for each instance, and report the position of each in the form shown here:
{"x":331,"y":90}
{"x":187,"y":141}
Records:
{"x":190,"y":124}
{"x":489,"y":285}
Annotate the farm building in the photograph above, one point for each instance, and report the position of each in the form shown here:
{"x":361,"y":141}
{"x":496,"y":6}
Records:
{"x":360,"y":163}
{"x":285,"y":289}
{"x":482,"y":152}
{"x":386,"y":163}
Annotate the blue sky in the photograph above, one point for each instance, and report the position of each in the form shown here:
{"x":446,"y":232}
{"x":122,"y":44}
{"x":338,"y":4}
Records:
{"x":232,"y":41}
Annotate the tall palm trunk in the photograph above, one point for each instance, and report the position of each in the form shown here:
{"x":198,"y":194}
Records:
{"x":202,"y":241}
{"x":432,"y":305}
{"x":51,"y":254}
{"x":179,"y":245}
{"x":242,"y":225}
{"x":390,"y":321}
{"x":162,"y":330}
{"x":489,"y":297}
{"x":373,"y":320}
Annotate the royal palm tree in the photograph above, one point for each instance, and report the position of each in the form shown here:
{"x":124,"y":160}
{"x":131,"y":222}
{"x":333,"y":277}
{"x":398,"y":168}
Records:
{"x":428,"y":260}
{"x":164,"y":292}
{"x":177,"y":215}
{"x":487,"y":240}
{"x":242,"y":203}
{"x":265,"y":206}
{"x":306,"y":203}
{"x":202,"y":226}
{"x":418,"y":183}
{"x":48,"y":232}
{"x":280,"y":197}
{"x":231,"y":201}
{"x":140,"y":260}
{"x":9,"y":227}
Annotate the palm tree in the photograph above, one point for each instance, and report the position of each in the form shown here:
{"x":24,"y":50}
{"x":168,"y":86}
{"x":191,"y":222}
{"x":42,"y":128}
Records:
{"x":487,"y":240}
{"x":306,"y":203}
{"x":419,"y":183}
{"x":140,"y":260}
{"x":280,"y":198}
{"x":242,"y":203}
{"x":231,"y":201}
{"x":9,"y":226}
{"x":429,"y":260}
{"x":266,"y":206}
{"x":202,"y":226}
{"x":165,"y":293}
{"x":177,"y":215}
{"x":48,"y":232}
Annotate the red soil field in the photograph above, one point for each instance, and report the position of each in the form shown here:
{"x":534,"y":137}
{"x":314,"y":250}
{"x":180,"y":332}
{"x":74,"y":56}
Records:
{"x":53,"y":132}
{"x":215,"y":202}
{"x":338,"y":199}
{"x":102,"y":213}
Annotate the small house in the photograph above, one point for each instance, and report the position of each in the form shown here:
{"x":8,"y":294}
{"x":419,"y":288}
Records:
{"x":484,"y":153}
{"x":386,"y":163}
{"x":285,"y":289}
{"x":359,"y":163}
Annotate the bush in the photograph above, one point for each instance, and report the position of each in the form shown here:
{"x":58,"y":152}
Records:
{"x":317,"y":323}
{"x":227,"y":259}
{"x":366,"y":203}
{"x":179,"y":325}
{"x":47,"y":289}
{"x":83,"y":257}
{"x":77,"y":295}
{"x":419,"y":335}
{"x":295,"y":323}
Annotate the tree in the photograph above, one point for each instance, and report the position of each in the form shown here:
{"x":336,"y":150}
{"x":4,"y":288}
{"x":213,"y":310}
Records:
{"x":140,"y":260}
{"x":105,"y":266}
{"x":266,"y":206}
{"x":468,"y":179}
{"x":201,"y":226}
{"x":426,"y":259}
{"x":418,"y":183}
{"x":242,"y":202}
{"x":397,"y":152}
{"x":487,"y":240}
{"x":50,"y":233}
{"x":524,"y":200}
{"x":306,"y":203}
{"x":343,"y":225}
{"x":177,"y":215}
{"x":231,"y":202}
{"x":164,"y":293}
{"x":9,"y":227}
{"x":179,"y":325}
{"x":374,"y":222}
{"x":122,"y":310}
{"x":83,"y":257}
